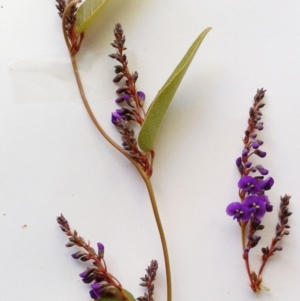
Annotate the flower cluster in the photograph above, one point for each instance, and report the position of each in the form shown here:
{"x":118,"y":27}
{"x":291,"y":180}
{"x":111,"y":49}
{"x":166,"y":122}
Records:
{"x":131,"y":102}
{"x":69,"y":23}
{"x":102,"y":282}
{"x":254,"y":203}
{"x":148,"y":281}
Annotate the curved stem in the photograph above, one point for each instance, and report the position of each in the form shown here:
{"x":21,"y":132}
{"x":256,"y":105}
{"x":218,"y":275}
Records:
{"x":64,"y":21}
{"x":95,"y":121}
{"x":162,"y":238}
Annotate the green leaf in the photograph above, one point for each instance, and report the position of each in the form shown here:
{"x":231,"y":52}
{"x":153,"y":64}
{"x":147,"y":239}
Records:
{"x":160,"y":104}
{"x":113,"y":298}
{"x":86,"y":13}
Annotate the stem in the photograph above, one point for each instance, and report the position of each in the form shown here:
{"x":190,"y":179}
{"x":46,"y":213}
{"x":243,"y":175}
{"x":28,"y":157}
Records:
{"x":162,"y":237}
{"x":267,"y":256}
{"x":246,"y":256}
{"x":243,"y":234}
{"x":95,"y":121}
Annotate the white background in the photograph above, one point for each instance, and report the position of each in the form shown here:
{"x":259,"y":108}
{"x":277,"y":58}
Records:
{"x":53,"y":160}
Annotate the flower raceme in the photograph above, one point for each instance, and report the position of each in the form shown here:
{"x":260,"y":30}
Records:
{"x":254,"y":203}
{"x":252,"y":188}
{"x":131,"y":102}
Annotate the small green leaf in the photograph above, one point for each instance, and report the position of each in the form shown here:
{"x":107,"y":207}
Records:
{"x":113,"y":298}
{"x":160,"y":104}
{"x":86,"y":13}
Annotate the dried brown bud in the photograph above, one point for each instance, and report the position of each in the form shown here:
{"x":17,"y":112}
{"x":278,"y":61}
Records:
{"x":118,"y":77}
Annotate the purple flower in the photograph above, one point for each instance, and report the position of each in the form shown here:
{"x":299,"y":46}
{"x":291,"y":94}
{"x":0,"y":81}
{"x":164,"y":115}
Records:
{"x":267,"y":183}
{"x":268,"y":205}
{"x":262,"y":170}
{"x":260,"y":153}
{"x":116,"y":117}
{"x":78,"y":254}
{"x":238,"y":211}
{"x":238,"y":162}
{"x":95,"y":294}
{"x":127,"y":98}
{"x":249,"y":184}
{"x":248,"y":164}
{"x":260,"y":126}
{"x":255,"y":144}
{"x":100,"y":249}
{"x":141,"y":95}
{"x":100,"y":246}
{"x":256,"y":205}
{"x":244,"y":152}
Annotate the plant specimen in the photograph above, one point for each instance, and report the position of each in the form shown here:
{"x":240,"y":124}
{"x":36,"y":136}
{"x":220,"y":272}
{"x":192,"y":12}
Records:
{"x":139,"y":151}
{"x":254,"y":203}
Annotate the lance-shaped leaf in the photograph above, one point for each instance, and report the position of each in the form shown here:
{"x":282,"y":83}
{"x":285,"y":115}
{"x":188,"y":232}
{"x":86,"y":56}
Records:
{"x":160,"y":104}
{"x":87,"y":12}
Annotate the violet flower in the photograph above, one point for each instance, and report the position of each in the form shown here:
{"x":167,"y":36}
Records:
{"x":249,"y":184}
{"x":239,"y":211}
{"x":256,"y":205}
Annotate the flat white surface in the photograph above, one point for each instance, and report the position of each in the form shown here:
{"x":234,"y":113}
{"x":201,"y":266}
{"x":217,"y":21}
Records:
{"x":53,"y":160}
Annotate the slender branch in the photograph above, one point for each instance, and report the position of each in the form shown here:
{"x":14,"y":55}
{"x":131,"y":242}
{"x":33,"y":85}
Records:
{"x":95,"y":121}
{"x":162,"y":238}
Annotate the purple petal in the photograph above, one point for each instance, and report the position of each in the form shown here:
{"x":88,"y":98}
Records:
{"x":238,"y":211}
{"x":260,"y":142}
{"x":238,"y":162}
{"x":78,"y":254}
{"x":256,"y":205}
{"x":100,"y":246}
{"x":115,"y":117}
{"x":260,"y":153}
{"x":84,"y":274}
{"x":262,"y":170}
{"x":96,"y":286}
{"x":249,"y":184}
{"x":248,"y":164}
{"x":255,"y":145}
{"x":244,"y":153}
{"x":119,"y":99}
{"x":267,"y":183}
{"x":95,"y":295}
{"x":231,"y":208}
{"x":141,"y":95}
